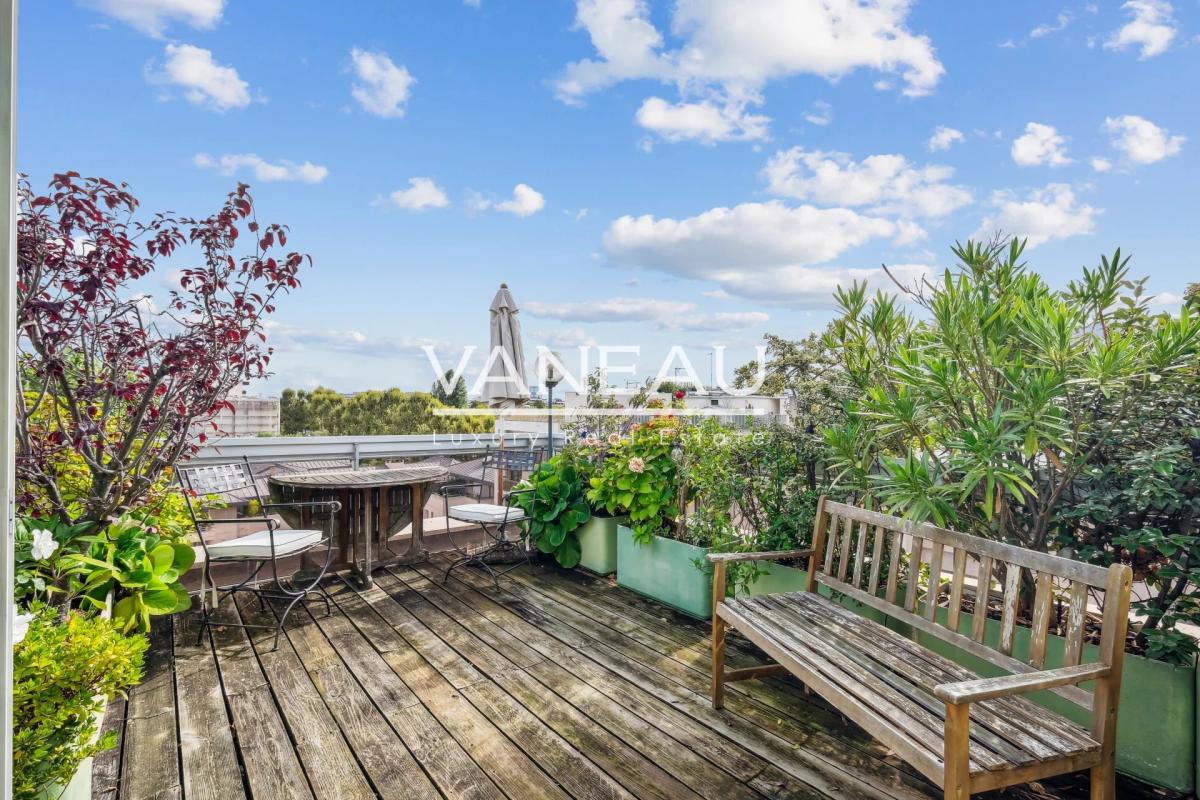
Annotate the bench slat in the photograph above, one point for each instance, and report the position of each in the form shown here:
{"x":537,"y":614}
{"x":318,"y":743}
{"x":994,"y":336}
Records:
{"x":844,"y":549}
{"x":983,"y":591}
{"x":954,"y":614}
{"x":914,"y":573}
{"x":1008,"y":617}
{"x":876,"y":560}
{"x":935,"y":581}
{"x":1042,"y":604}
{"x":1076,"y":619}
{"x":1056,"y":732}
{"x":894,"y":568}
{"x":860,"y":553}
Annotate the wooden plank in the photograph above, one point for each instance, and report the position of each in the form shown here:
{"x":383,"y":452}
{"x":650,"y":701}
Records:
{"x":1029,"y":559}
{"x":957,"y":779}
{"x":683,"y":764}
{"x":826,"y":683}
{"x":860,"y":554}
{"x":326,"y":756}
{"x":831,"y":544}
{"x":1076,"y":624}
{"x":339,"y":665}
{"x":693,"y":735}
{"x":272,"y":768}
{"x":207,"y":750}
{"x":820,"y":533}
{"x":1072,"y":693}
{"x":935,"y":581}
{"x":150,"y":763}
{"x":844,"y":548}
{"x":894,"y":568}
{"x":983,"y":591}
{"x":1108,"y":689}
{"x":876,"y":559}
{"x":375,"y":744}
{"x":999,"y":722}
{"x":507,"y":766}
{"x":1043,"y":603}
{"x":914,"y":573}
{"x":106,"y":766}
{"x":834,"y":764}
{"x":1065,"y":737}
{"x":1008,"y":616}
{"x":957,"y":581}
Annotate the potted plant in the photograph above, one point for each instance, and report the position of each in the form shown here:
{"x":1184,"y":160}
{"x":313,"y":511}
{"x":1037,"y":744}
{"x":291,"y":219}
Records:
{"x":640,"y":477}
{"x":553,"y":500}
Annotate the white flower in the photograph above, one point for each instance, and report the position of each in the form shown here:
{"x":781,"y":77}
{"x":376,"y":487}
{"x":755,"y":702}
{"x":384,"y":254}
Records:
{"x":43,"y":545}
{"x":20,"y":626}
{"x":637,"y":465}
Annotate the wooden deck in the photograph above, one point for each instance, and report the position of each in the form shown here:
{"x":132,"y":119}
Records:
{"x":558,"y":685}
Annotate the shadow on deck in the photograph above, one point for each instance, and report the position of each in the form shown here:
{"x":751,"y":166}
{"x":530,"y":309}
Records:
{"x":558,"y":685}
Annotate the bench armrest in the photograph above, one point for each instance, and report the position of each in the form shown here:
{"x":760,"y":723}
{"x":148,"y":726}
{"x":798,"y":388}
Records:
{"x":333,"y":505}
{"x":987,"y":688}
{"x":773,"y":555}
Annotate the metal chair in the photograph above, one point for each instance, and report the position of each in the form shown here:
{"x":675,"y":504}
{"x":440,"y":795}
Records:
{"x":207,"y":487}
{"x":491,"y":517}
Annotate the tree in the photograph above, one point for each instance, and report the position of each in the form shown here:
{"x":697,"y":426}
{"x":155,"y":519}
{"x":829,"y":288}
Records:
{"x":373,"y":413}
{"x":985,"y":412}
{"x":109,"y":379}
{"x":456,"y":397}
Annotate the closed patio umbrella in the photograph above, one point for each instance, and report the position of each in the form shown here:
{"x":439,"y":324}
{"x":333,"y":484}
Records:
{"x":506,"y":384}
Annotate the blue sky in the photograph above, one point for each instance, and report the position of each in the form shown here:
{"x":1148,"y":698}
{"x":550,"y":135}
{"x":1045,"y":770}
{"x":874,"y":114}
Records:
{"x":640,"y":173}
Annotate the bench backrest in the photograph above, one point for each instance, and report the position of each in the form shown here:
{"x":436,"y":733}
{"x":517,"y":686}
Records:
{"x":859,"y":552}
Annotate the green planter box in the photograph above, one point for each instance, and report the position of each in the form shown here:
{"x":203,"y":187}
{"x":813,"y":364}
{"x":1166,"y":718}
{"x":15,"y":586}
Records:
{"x":598,"y":544}
{"x":665,"y":570}
{"x":778,"y":578}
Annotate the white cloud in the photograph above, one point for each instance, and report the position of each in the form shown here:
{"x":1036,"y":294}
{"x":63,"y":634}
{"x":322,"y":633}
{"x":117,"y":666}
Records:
{"x":421,"y":193}
{"x":383,"y":87}
{"x":819,"y":113}
{"x":204,"y":82}
{"x":286,"y":337}
{"x":1046,"y":214}
{"x":763,"y":251}
{"x":1045,"y":29}
{"x":473,"y":3}
{"x":943,"y":137}
{"x":563,"y":337}
{"x":263,"y":170}
{"x":728,"y":50}
{"x":153,"y":16}
{"x":750,"y":235}
{"x":1141,"y":140}
{"x":1152,"y":28}
{"x":1166,"y":299}
{"x":1041,"y":144}
{"x":888,"y":184}
{"x":1101,"y":164}
{"x":670,"y":315}
{"x":526,"y":201}
{"x":705,"y":121}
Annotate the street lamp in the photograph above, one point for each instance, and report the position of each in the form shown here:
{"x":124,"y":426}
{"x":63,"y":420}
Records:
{"x":551,"y":377}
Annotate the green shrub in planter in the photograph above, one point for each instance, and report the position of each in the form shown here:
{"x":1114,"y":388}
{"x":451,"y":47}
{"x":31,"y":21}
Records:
{"x":555,"y":507}
{"x":63,"y":673}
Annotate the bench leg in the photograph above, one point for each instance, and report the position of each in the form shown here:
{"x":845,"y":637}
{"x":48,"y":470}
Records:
{"x":1104,"y":781}
{"x":957,"y":780}
{"x":718,"y":662}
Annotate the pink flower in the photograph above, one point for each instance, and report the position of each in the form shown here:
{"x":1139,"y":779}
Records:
{"x":614,"y":438}
{"x":637,"y":465}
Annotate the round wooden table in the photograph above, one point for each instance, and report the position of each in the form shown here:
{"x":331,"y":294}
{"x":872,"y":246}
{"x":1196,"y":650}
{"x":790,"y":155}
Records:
{"x":376,"y":503}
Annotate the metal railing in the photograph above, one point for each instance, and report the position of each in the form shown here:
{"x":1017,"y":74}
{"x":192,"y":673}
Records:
{"x":279,"y":449}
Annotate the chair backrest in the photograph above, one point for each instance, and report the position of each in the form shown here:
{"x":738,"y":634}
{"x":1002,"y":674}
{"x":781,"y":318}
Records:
{"x":859,"y":553}
{"x":218,"y":485}
{"x":511,"y":461}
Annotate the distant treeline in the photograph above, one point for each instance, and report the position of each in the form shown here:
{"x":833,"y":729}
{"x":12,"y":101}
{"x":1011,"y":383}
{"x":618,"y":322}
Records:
{"x":376,"y":412}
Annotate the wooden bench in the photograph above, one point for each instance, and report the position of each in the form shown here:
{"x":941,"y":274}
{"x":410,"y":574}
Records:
{"x":964,"y":732}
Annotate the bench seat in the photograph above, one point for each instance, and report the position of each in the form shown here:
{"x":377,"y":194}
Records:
{"x":884,"y":682}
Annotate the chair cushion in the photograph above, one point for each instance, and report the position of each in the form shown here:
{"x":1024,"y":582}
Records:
{"x":485,"y":512}
{"x":258,"y":544}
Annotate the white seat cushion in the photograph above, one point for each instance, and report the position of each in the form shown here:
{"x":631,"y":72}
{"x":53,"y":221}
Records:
{"x":485,"y":512}
{"x":258,"y":544}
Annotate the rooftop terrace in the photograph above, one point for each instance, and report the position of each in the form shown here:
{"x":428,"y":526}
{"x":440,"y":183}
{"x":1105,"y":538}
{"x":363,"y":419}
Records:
{"x":556,"y":685}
